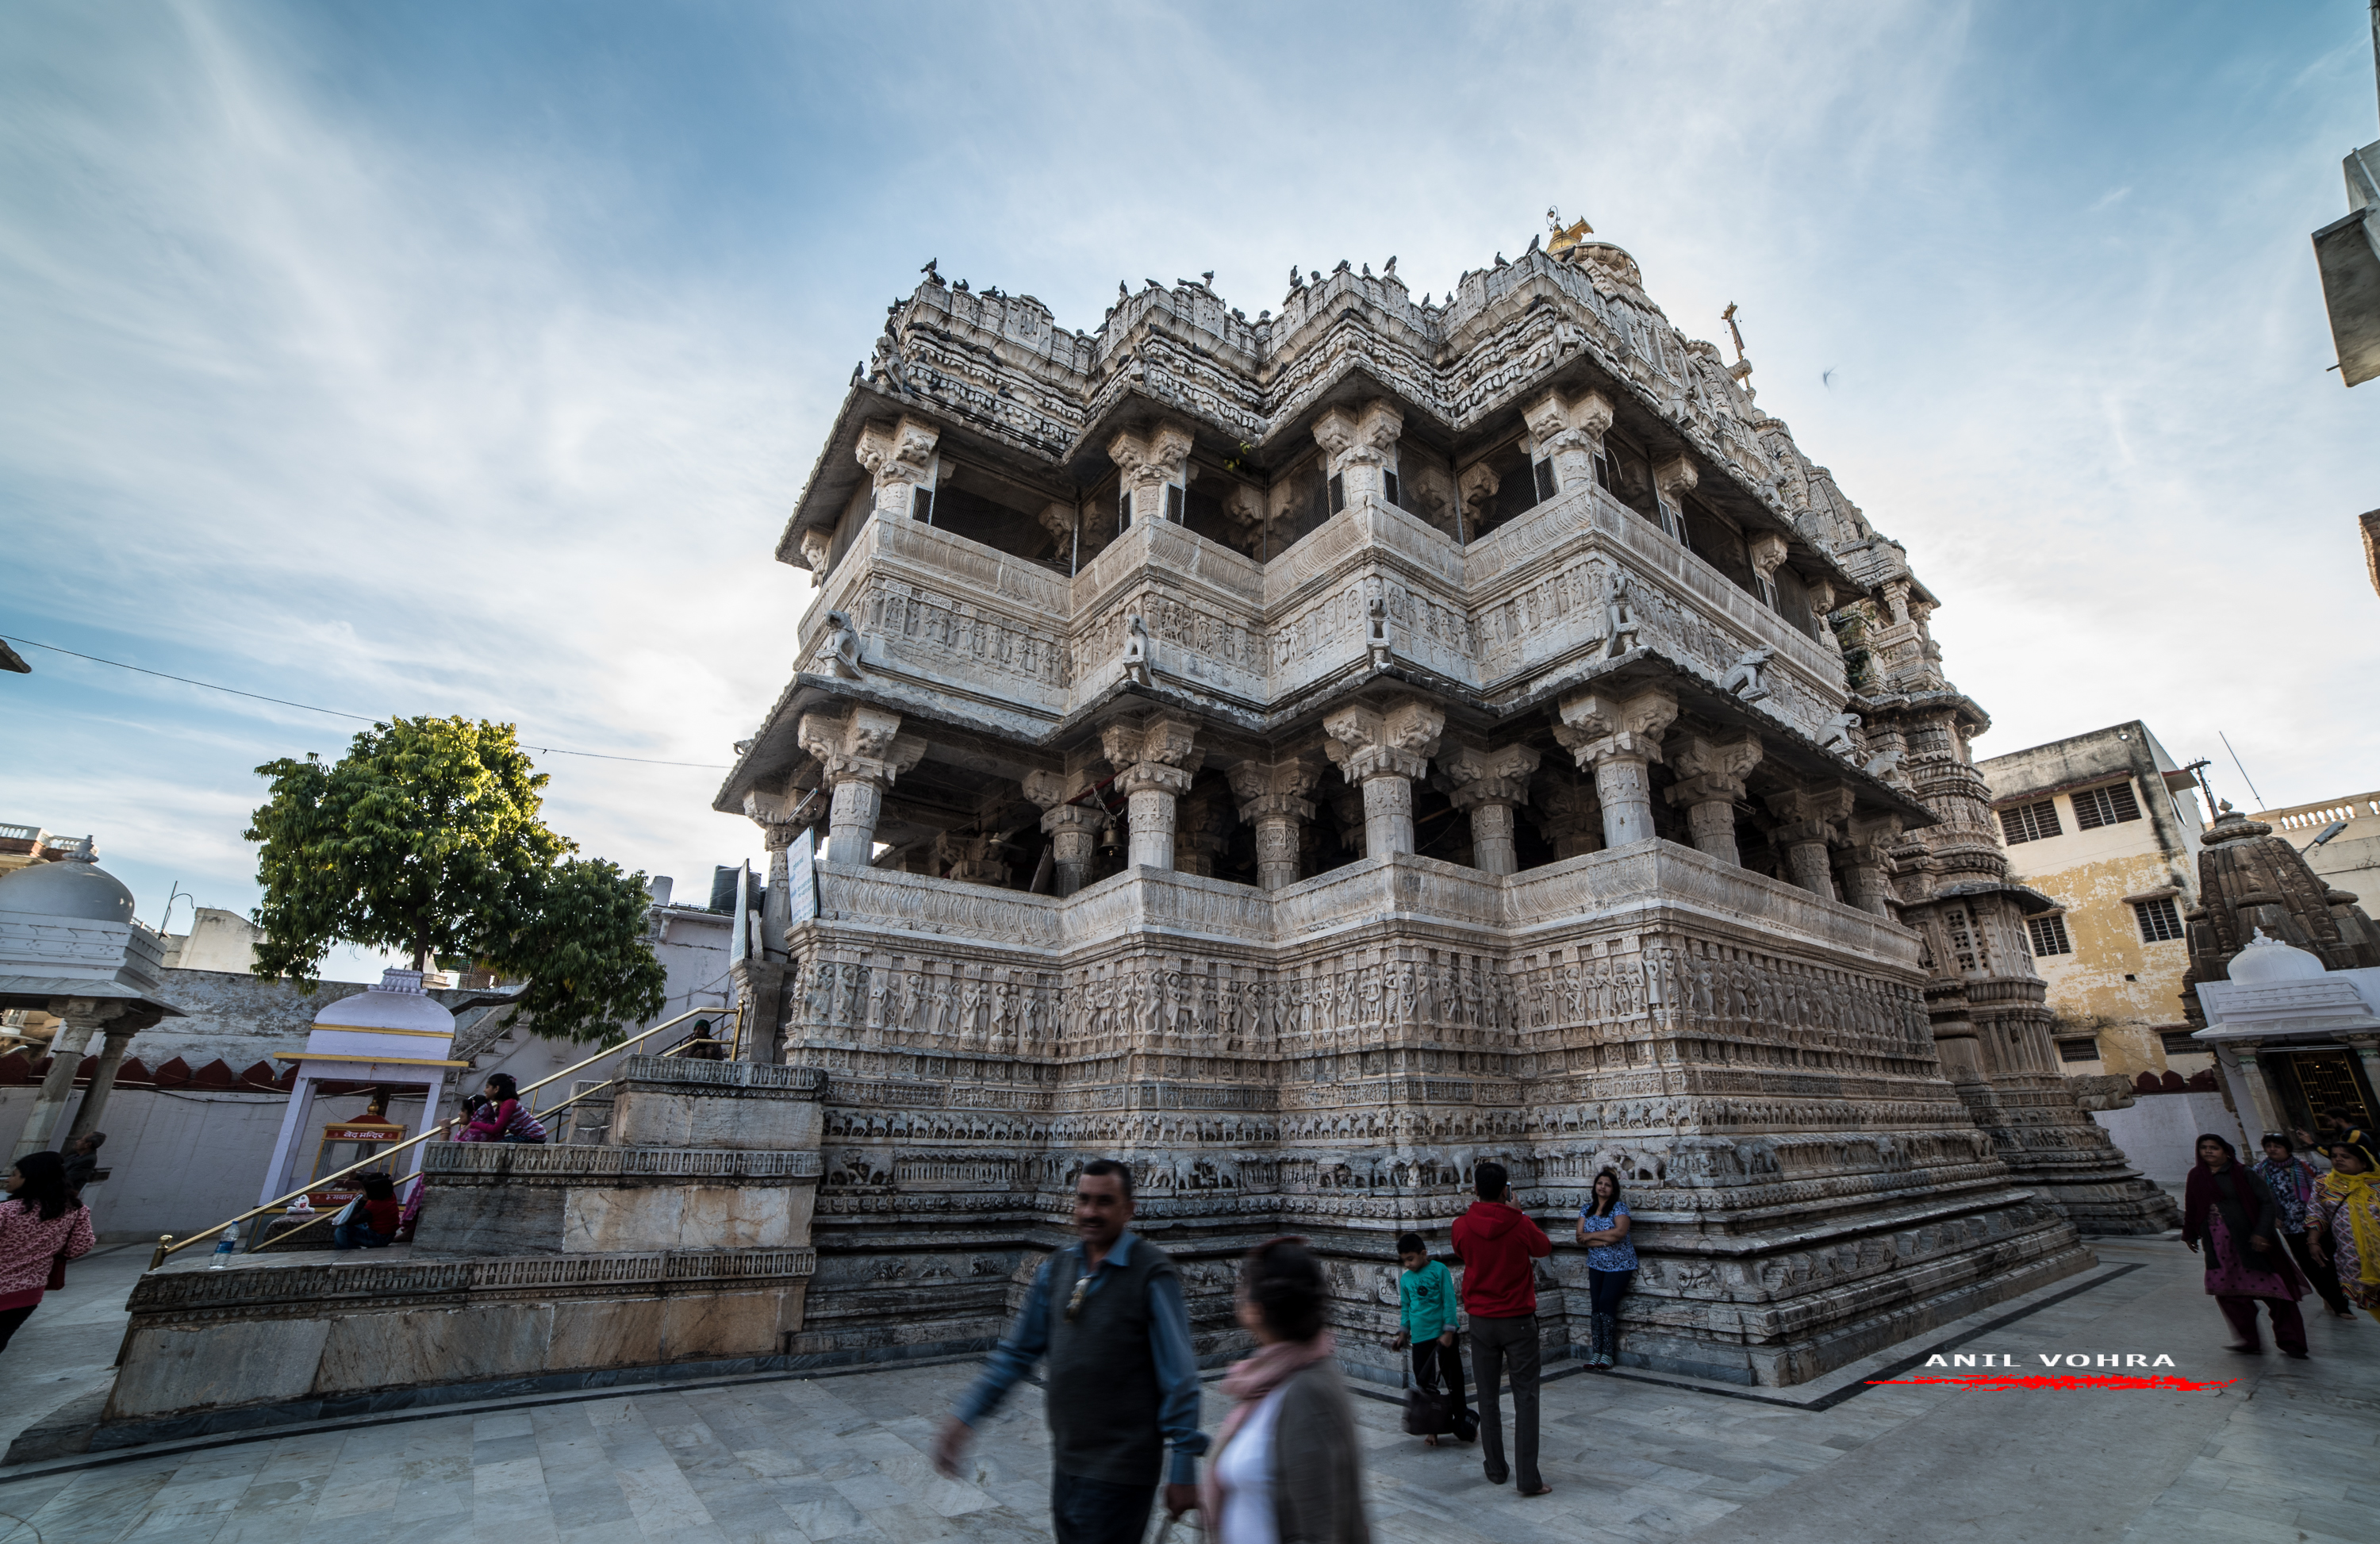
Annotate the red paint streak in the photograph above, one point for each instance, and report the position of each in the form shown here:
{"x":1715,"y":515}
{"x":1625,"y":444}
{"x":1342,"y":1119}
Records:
{"x":1989,"y":1381}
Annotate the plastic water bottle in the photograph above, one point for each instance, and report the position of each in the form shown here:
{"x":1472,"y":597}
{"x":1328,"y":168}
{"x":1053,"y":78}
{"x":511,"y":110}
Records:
{"x":226,"y":1247}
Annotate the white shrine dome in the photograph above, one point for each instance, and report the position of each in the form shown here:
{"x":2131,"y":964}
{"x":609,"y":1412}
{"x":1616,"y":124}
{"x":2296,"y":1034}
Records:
{"x":2269,"y":959}
{"x":395,"y":1001}
{"x":73,"y":887}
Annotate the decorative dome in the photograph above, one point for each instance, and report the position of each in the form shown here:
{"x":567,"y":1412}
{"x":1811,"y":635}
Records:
{"x":2232,"y":826}
{"x":395,"y":1001}
{"x":2269,"y":959}
{"x":73,"y":887}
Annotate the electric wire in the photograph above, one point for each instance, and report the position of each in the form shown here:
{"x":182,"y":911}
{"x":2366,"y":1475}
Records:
{"x":360,"y":717}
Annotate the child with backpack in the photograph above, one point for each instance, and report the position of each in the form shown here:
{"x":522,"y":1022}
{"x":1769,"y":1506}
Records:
{"x":1426,"y":1309}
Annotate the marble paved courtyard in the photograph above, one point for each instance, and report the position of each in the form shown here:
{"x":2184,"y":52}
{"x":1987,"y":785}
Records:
{"x":2290,"y":1452}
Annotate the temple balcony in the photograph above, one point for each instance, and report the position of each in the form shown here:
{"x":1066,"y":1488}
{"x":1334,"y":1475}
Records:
{"x":1659,"y":880}
{"x":948,"y":625}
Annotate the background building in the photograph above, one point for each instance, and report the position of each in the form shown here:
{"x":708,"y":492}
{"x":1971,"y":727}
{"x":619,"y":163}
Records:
{"x":2347,"y":857}
{"x":2107,"y":825}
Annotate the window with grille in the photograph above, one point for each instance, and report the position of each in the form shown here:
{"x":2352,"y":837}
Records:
{"x":2110,"y":805}
{"x":2048,"y":935}
{"x":1966,"y":940}
{"x":2078,"y":1050}
{"x":2178,"y":1043}
{"x":2029,"y":822}
{"x":2160,"y":923}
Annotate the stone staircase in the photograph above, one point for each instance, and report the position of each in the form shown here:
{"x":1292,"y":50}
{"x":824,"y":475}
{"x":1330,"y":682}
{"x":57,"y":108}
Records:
{"x":678,"y":1246}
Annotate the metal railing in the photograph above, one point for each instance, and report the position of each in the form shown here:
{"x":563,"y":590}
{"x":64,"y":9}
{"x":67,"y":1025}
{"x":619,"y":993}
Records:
{"x":167,"y":1246}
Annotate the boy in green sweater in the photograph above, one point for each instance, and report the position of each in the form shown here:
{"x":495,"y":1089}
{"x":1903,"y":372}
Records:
{"x":1425,"y":1307}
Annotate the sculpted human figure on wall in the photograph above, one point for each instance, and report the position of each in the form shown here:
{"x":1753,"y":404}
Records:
{"x":1619,"y":616}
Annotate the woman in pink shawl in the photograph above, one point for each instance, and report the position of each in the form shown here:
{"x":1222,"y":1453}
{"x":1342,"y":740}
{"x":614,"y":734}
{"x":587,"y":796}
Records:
{"x":1286,"y":1468}
{"x":2227,"y":1208}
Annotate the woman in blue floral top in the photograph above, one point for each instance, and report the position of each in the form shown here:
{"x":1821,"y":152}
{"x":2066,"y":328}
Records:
{"x":1610,"y":1266}
{"x":2291,"y":1181}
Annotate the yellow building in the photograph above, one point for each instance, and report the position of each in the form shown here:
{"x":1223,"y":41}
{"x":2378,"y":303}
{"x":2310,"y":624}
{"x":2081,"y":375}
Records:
{"x":2107,"y":825}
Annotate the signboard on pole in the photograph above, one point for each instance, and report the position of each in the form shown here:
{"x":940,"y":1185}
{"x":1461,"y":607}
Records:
{"x":801,"y":877}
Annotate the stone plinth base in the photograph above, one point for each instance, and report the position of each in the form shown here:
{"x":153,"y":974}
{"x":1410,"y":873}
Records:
{"x":282,"y":1334}
{"x":669,"y":1102}
{"x":504,"y":1198}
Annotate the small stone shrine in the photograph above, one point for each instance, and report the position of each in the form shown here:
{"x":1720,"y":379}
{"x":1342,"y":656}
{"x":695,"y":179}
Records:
{"x":2284,"y":981}
{"x":1307,"y":756}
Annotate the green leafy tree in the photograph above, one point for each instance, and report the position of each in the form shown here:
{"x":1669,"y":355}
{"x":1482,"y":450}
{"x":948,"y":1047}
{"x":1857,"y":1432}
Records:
{"x":426,"y":838}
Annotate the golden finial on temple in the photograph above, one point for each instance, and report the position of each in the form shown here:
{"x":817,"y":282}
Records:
{"x":1565,"y":237}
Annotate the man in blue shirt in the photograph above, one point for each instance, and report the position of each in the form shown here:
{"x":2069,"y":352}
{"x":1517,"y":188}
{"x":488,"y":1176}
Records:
{"x":1123,"y":1381}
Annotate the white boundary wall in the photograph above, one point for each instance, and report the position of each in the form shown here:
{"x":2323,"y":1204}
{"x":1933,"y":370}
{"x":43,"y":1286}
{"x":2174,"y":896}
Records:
{"x":2160,"y":1132}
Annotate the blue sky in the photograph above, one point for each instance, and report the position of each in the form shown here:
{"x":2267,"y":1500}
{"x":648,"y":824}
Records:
{"x":454,"y":357}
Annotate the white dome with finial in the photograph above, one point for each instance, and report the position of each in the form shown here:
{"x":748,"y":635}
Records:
{"x":2270,"y":959}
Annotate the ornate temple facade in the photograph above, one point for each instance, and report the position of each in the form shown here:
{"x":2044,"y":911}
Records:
{"x":1308,"y":756}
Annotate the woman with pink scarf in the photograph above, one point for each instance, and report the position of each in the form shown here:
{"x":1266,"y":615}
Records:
{"x":1286,"y":1468}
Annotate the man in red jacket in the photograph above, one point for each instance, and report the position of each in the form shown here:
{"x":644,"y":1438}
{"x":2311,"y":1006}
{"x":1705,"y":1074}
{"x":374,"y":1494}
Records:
{"x":1495,"y":1242}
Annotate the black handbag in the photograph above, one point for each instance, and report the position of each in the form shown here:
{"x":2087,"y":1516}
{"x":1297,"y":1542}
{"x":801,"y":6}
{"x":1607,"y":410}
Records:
{"x":1428,"y":1412}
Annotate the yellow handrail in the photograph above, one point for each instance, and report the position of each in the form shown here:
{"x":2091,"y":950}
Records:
{"x":167,"y":1246}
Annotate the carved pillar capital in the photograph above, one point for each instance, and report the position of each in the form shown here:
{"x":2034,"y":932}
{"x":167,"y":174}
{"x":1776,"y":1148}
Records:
{"x":1709,"y":785}
{"x":859,"y":743}
{"x":1384,"y":751}
{"x":1809,"y":818}
{"x":1566,"y":809}
{"x":1073,"y":829}
{"x":860,"y":752}
{"x":1154,"y":760}
{"x":1569,"y":434}
{"x":1366,"y":742}
{"x":1360,"y":445}
{"x":1499,"y":776}
{"x":1618,"y":738}
{"x":1151,"y":462}
{"x":1596,"y":726}
{"x":1487,"y":784}
{"x":900,"y":456}
{"x":1273,"y":799}
{"x":1672,"y":480}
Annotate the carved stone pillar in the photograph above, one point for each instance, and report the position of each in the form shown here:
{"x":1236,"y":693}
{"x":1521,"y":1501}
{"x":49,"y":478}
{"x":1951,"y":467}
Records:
{"x":1383,"y":752}
{"x":860,"y":752}
{"x":1273,"y":799}
{"x":80,"y":1018}
{"x":1073,"y":829}
{"x":1710,"y":783}
{"x":1809,"y":822}
{"x":1618,"y":738}
{"x":1672,"y":480}
{"x":2260,"y":1088}
{"x":1570,"y":435}
{"x":1489,"y":784}
{"x":1198,"y":833}
{"x":1568,"y":813}
{"x":1362,"y":447}
{"x":1767,"y":554}
{"x":102,"y":1083}
{"x":901,"y":459}
{"x":1861,"y":862}
{"x":1154,"y":760}
{"x":1149,"y":465}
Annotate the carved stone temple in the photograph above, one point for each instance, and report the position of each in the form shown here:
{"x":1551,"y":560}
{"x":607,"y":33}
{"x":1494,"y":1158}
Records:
{"x":1310,"y":755}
